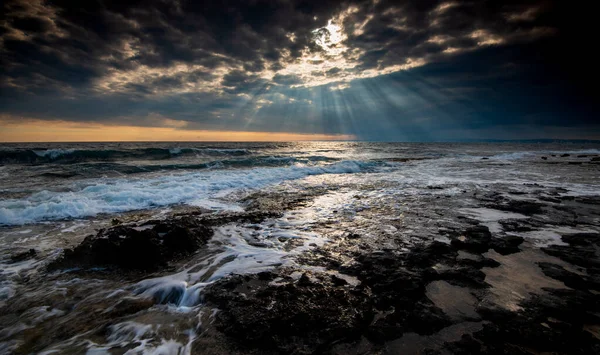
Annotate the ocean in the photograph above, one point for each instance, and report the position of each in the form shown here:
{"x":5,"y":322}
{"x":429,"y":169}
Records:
{"x":53,"y":195}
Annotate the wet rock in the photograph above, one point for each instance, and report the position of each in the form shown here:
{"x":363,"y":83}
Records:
{"x":516,"y":225}
{"x":550,"y":199}
{"x":570,"y":279}
{"x":253,"y":216}
{"x":463,"y":276}
{"x":430,"y":254}
{"x":338,"y":281}
{"x":476,"y":239}
{"x":59,"y":175}
{"x":304,"y":280}
{"x":353,"y":236}
{"x":466,"y":345}
{"x":319,"y":311}
{"x":129,"y":305}
{"x":288,"y":318}
{"x":583,"y":250}
{"x":518,"y":206}
{"x":26,"y":255}
{"x":132,"y":249}
{"x":507,"y":245}
{"x":479,"y":263}
{"x":588,"y":200}
{"x":553,"y":323}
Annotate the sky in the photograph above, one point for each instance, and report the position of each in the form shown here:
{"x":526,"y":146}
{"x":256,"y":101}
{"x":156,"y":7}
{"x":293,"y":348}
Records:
{"x":285,"y":70}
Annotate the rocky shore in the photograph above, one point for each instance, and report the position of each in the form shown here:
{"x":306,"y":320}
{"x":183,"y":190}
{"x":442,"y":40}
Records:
{"x":407,"y":302}
{"x":451,"y":269}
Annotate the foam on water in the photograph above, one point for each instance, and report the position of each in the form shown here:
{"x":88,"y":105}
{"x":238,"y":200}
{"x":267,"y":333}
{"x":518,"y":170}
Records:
{"x":246,"y":249}
{"x":239,"y":250}
{"x":120,"y":195}
{"x":514,"y":155}
{"x":53,"y":153}
{"x":144,"y":337}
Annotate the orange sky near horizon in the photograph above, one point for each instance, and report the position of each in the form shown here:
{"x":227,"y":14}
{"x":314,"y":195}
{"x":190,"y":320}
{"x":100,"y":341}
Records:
{"x":63,"y":131}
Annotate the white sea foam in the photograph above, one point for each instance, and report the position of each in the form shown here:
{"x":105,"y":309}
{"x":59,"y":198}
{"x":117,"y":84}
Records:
{"x":245,"y":249}
{"x":120,"y":195}
{"x":514,"y":155}
{"x":53,"y":153}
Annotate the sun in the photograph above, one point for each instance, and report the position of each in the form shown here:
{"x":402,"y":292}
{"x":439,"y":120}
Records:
{"x":329,"y":38}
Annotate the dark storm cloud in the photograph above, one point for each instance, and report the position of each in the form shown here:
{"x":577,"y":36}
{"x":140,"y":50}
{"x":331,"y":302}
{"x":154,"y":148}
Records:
{"x":305,"y":66}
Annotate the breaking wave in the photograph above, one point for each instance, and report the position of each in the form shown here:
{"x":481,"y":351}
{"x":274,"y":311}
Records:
{"x":120,"y":195}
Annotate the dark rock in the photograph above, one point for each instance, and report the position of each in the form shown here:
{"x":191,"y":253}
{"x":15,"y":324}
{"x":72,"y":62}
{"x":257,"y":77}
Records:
{"x":132,"y":249}
{"x":478,"y":264}
{"x":507,"y":245}
{"x":460,"y":276}
{"x":550,"y":199}
{"x":565,"y":155}
{"x":544,"y":158}
{"x":476,"y":239}
{"x":466,"y":345}
{"x":583,"y":250}
{"x":570,"y":279}
{"x":353,"y":236}
{"x":518,"y":206}
{"x":515,"y":225}
{"x":552,"y":323}
{"x":63,"y":175}
{"x":129,"y":305}
{"x":288,"y":318}
{"x":304,"y":280}
{"x":265,"y":276}
{"x":588,"y":200}
{"x":432,"y":187}
{"x":428,"y":255}
{"x":310,"y":316}
{"x":338,"y":281}
{"x":31,"y":253}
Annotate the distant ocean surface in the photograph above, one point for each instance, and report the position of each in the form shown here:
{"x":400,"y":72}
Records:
{"x":54,"y":181}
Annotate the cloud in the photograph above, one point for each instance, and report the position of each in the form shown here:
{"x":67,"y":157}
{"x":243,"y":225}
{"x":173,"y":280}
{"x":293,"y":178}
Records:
{"x":267,"y":65}
{"x":174,"y":47}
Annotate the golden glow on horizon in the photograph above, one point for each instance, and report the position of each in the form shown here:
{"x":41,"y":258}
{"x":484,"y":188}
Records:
{"x":62,"y":131}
